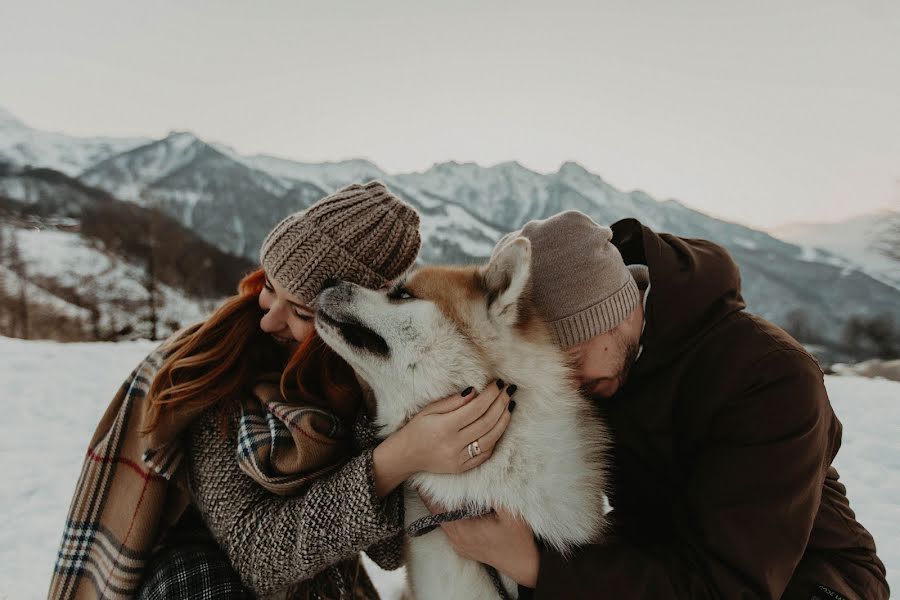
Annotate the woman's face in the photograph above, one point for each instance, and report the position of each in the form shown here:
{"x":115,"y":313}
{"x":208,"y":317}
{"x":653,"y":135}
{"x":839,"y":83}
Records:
{"x":287,"y":319}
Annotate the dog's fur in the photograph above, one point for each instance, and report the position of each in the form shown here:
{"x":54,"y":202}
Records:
{"x":470,"y":326}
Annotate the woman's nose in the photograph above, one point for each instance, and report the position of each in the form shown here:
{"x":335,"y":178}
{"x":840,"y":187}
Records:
{"x":272,"y":321}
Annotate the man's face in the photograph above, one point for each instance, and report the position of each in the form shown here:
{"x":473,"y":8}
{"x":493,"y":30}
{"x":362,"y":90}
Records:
{"x":602,"y":363}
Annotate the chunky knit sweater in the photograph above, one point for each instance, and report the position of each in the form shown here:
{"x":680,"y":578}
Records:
{"x":303,"y":546}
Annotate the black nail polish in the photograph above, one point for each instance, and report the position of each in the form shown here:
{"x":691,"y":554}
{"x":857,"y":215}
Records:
{"x":466,"y":391}
{"x":511,"y":389}
{"x":512,"y":405}
{"x":501,"y":384}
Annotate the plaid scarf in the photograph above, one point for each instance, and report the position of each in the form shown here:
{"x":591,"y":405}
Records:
{"x":132,"y":487}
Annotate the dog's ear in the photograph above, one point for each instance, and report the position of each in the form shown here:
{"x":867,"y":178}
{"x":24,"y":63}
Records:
{"x":506,"y":279}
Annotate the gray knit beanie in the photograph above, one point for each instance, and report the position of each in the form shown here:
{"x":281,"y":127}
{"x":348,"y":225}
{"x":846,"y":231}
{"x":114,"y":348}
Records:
{"x":580,"y":283}
{"x":361,"y":233}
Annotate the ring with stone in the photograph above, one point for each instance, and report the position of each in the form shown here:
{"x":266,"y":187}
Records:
{"x":474,"y":449}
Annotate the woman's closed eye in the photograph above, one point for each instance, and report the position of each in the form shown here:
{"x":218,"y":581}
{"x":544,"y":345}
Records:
{"x":303,"y":316}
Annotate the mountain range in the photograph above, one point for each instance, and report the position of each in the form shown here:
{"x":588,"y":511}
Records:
{"x":231,"y":201}
{"x":856,"y":238}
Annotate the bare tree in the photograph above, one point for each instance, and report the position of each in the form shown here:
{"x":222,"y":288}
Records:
{"x":872,"y":337}
{"x":5,"y":304}
{"x":888,"y":241}
{"x":151,"y":283}
{"x":20,"y":325}
{"x":798,"y":324}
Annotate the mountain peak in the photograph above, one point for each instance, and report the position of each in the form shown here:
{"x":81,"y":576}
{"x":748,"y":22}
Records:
{"x":181,"y":138}
{"x":573,"y":171}
{"x":9,"y":121}
{"x":570,"y":167}
{"x":515,"y":166}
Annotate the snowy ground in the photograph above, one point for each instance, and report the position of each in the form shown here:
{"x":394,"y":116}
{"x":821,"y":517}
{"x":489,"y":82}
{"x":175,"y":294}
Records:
{"x":53,"y":395}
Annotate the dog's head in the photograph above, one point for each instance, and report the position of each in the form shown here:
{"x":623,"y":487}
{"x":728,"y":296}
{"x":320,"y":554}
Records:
{"x":433,"y":334}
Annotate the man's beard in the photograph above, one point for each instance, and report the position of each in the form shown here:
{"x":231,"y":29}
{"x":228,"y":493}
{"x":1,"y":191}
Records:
{"x":630,"y":352}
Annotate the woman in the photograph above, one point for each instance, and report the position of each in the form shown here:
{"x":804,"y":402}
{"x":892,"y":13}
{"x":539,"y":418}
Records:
{"x":240,"y":457}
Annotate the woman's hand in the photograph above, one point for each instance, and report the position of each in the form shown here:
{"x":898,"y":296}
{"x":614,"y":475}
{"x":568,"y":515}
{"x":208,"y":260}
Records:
{"x":437,"y":439}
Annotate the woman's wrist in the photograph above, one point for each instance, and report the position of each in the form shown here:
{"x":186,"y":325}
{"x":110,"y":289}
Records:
{"x":392,"y":465}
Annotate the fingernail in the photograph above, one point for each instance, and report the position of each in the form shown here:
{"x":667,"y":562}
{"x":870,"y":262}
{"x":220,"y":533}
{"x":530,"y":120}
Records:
{"x":466,"y":391}
{"x":511,"y":389}
{"x":500,"y":383}
{"x":512,"y":405}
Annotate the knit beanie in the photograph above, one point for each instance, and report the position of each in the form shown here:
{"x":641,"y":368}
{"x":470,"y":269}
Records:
{"x":579,"y":282}
{"x":361,"y":233}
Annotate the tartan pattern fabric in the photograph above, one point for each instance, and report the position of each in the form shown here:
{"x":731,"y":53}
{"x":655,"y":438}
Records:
{"x":193,"y":572}
{"x":120,"y":502}
{"x":132,"y":488}
{"x":285,"y":446}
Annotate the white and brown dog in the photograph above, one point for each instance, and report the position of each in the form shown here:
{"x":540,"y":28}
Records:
{"x":448,"y":327}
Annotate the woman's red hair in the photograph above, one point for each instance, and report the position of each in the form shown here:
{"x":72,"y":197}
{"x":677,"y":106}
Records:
{"x":217,"y":363}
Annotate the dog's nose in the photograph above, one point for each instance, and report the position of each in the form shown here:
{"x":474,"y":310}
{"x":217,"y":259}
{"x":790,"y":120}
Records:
{"x":330,"y":283}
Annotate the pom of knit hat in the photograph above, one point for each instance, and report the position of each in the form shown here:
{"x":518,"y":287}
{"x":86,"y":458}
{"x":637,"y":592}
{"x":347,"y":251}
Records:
{"x":361,"y":233}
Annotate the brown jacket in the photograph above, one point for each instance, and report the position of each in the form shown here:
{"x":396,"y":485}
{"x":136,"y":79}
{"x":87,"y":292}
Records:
{"x":723,"y":443}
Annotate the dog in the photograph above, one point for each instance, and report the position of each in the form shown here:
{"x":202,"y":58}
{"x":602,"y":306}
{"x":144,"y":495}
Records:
{"x":449,"y":327}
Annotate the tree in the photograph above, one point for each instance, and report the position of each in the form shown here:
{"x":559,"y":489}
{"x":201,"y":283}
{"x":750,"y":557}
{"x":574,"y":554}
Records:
{"x":888,"y":241}
{"x":12,"y":260}
{"x":872,"y":337}
{"x":797,"y":323}
{"x":151,"y":283}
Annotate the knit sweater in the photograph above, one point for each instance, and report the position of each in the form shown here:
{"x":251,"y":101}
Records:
{"x":292,"y":546}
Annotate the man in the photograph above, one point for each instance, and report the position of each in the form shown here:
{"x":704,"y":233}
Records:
{"x":723,"y":433}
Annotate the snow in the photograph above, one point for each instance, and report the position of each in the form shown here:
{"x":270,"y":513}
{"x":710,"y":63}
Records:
{"x":23,"y":145}
{"x":505,"y":193}
{"x":69,"y":260}
{"x":852,"y":239}
{"x":11,"y":285}
{"x":328,"y":175}
{"x":128,"y":174}
{"x":54,"y":394}
{"x":809,"y":254}
{"x":459,"y":226}
{"x":53,"y":397}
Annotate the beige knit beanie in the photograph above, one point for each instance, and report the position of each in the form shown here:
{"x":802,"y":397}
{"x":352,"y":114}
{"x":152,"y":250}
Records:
{"x":361,"y":233}
{"x":580,"y":283}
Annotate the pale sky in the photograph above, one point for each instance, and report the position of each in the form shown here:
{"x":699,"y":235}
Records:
{"x":761,"y":112}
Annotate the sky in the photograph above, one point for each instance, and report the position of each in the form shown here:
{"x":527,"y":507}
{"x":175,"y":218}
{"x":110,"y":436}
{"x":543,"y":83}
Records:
{"x":763,"y":113}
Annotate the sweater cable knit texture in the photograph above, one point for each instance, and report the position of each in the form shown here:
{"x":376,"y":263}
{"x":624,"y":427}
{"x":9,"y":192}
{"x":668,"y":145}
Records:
{"x":296,"y":546}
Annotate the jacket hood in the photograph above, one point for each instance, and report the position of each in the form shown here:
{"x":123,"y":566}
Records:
{"x":694,"y":284}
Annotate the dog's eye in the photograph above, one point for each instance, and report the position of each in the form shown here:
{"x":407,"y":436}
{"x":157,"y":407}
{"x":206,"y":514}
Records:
{"x":400,"y":293}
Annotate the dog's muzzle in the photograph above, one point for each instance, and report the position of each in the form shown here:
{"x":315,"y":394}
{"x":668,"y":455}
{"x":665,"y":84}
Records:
{"x":333,"y":311}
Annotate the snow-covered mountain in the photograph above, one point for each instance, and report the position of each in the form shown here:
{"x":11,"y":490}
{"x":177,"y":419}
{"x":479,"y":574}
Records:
{"x":73,"y":276}
{"x":22,"y":145}
{"x":76,"y":263}
{"x":227,"y":202}
{"x":327,"y":175}
{"x":232,"y":201}
{"x":853,"y":239}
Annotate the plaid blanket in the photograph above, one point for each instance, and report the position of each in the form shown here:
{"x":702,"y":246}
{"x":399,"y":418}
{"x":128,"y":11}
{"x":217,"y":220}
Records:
{"x":131,"y":487}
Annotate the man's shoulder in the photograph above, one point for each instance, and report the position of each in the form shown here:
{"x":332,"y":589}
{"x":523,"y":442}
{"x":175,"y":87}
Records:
{"x":751,"y":367}
{"x":746,"y":351}
{"x":750,"y":339}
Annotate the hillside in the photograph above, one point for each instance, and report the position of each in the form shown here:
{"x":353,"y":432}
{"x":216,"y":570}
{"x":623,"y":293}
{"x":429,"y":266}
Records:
{"x":79,"y":264}
{"x":231,"y":202}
